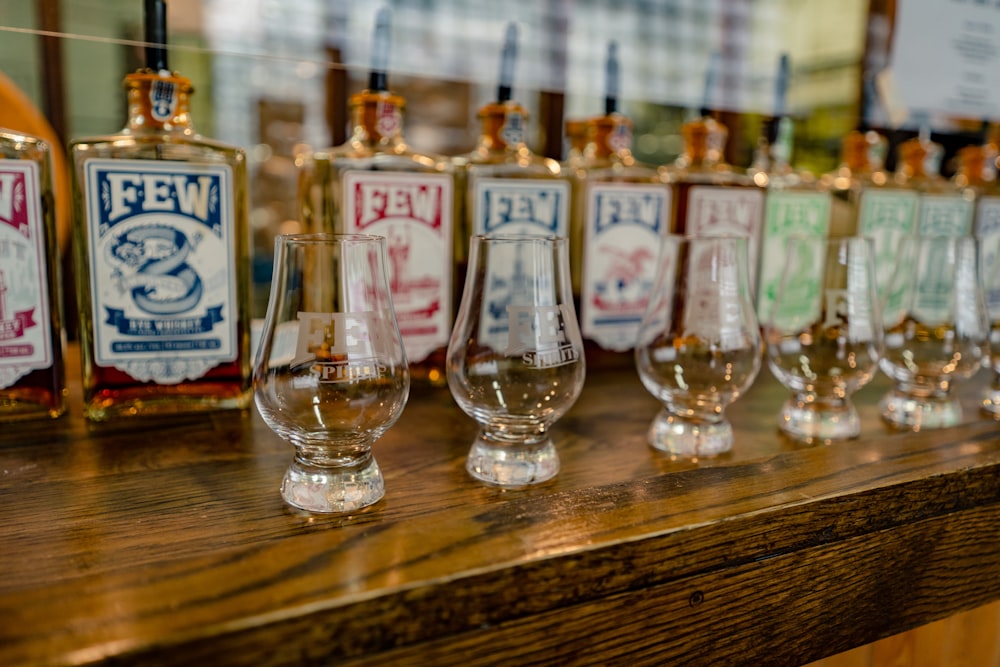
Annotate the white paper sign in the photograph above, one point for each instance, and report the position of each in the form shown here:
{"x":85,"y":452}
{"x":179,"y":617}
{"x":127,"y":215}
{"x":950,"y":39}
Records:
{"x":946,"y":57}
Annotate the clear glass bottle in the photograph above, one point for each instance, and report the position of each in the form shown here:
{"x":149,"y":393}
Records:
{"x":711,"y":197}
{"x":797,"y":204}
{"x":32,"y":367}
{"x":508,"y":188}
{"x":375,"y":183}
{"x":946,"y":208}
{"x":870,"y":202}
{"x":860,"y":168}
{"x":162,"y":256}
{"x":621,"y":210}
{"x":976,"y":174}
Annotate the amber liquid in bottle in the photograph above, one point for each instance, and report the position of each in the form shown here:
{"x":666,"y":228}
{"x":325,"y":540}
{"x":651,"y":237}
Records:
{"x":621,"y":210}
{"x":32,"y":373}
{"x":162,"y":257}
{"x":375,"y":184}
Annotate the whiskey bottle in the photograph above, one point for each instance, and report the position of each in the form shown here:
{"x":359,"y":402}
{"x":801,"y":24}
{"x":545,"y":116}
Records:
{"x":861,"y":168}
{"x":162,"y":255}
{"x":620,"y":211}
{"x":868,"y":201}
{"x":32,"y":373}
{"x":375,"y":183}
{"x":710,"y":197}
{"x":508,"y":188}
{"x":975,"y":173}
{"x":945,"y":208}
{"x":796,"y":204}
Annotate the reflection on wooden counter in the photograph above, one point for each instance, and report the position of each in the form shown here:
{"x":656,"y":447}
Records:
{"x":169,"y":544}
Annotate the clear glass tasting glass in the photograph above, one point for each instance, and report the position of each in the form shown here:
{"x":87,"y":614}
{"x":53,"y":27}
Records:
{"x":331,"y":373}
{"x":824,"y":335}
{"x":515,"y":360}
{"x":699,"y":345}
{"x":990,"y":253}
{"x":936,"y":331}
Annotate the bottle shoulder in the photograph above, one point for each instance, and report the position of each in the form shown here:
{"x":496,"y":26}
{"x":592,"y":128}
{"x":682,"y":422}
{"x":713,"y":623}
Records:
{"x":15,"y":145}
{"x":789,"y":180}
{"x":509,"y":162}
{"x":700,"y":174}
{"x":177,"y":146}
{"x":359,"y":156}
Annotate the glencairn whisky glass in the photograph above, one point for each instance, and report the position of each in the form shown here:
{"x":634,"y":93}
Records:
{"x":936,"y":330}
{"x":824,"y":335}
{"x":699,"y":345}
{"x":990,"y":264}
{"x":515,"y":359}
{"x":331,"y":373}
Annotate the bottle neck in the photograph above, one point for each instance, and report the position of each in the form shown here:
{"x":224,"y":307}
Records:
{"x":158,"y":102}
{"x":854,"y":152}
{"x":704,"y":143}
{"x":972,"y":167}
{"x":609,"y":137}
{"x":917,"y":159}
{"x":377,"y":117}
{"x":576,"y":134}
{"x":774,"y":147}
{"x":503,"y":127}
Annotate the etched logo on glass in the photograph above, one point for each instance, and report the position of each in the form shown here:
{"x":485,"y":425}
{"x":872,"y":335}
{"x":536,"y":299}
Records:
{"x":538,"y":334}
{"x":341,"y":347}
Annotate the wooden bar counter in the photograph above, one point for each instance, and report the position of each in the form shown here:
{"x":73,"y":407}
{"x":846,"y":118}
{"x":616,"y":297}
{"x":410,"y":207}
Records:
{"x":168,"y":544}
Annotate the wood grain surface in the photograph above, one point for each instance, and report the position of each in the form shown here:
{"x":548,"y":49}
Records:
{"x":167,"y":543}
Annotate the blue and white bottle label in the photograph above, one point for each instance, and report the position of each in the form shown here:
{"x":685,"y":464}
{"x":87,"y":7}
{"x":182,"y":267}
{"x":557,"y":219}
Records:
{"x":162,"y":267}
{"x":521,"y":206}
{"x":624,"y":224}
{"x":25,"y":311}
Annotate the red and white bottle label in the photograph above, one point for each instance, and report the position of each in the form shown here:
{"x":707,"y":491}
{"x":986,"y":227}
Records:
{"x":721,"y":211}
{"x":414,"y":213}
{"x":25,"y":311}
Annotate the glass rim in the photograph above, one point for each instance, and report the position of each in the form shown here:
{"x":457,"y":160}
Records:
{"x":327,"y":237}
{"x":551,"y":238}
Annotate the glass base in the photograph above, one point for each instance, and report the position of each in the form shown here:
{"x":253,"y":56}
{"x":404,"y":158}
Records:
{"x":819,"y":421}
{"x":512,"y":464}
{"x":905,"y":411}
{"x":690,"y":439}
{"x":332,"y":488}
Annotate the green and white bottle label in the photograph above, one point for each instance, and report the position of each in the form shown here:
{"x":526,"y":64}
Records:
{"x":887,"y":216}
{"x":786,"y":213}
